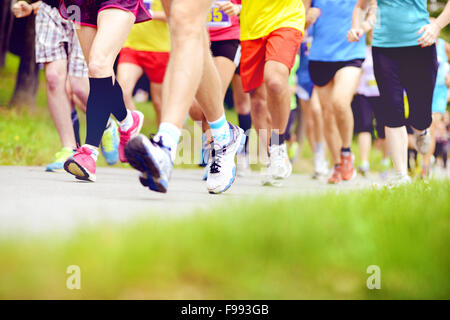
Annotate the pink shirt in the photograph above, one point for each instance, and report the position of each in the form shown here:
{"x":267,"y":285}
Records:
{"x":232,"y":32}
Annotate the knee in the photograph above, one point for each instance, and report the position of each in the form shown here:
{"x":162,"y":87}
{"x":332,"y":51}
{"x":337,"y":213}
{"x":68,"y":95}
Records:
{"x":55,"y":80}
{"x":79,"y":89}
{"x":99,"y":66}
{"x":276,"y":85}
{"x":184,"y":24}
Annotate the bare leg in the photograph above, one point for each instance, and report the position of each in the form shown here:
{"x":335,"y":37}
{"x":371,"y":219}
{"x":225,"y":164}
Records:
{"x":156,"y":92}
{"x":128,"y":75}
{"x":240,"y":98}
{"x":276,"y":79}
{"x":80,"y":91}
{"x":309,"y":121}
{"x":364,"y":143}
{"x":427,"y":157}
{"x":59,"y":102}
{"x":397,"y":146}
{"x":331,"y":132}
{"x":186,"y":66}
{"x":316,"y":112}
{"x":261,"y":118}
{"x":346,"y":82}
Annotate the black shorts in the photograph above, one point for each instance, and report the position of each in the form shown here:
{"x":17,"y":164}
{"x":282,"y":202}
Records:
{"x":365,"y":109}
{"x":230,"y":49}
{"x":322,"y":72}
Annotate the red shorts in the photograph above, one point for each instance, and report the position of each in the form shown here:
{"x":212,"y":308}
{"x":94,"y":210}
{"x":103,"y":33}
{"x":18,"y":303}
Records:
{"x":280,"y":45}
{"x":153,"y":63}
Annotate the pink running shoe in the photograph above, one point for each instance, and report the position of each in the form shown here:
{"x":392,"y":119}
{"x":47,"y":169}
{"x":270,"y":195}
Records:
{"x":82,"y":165}
{"x":125,"y":136}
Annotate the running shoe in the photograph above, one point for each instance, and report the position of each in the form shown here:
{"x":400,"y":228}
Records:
{"x":423,"y":141}
{"x":348,"y":172}
{"x":152,"y":159}
{"x":125,"y":136}
{"x":110,"y":143}
{"x":399,"y":180}
{"x":280,"y":166}
{"x":385,"y":164}
{"x":267,"y":178}
{"x":336,"y":176}
{"x":242,"y":164}
{"x":82,"y":165}
{"x":320,"y":166}
{"x":364,"y":169}
{"x":60,"y":157}
{"x":204,"y":153}
{"x":222,"y":169}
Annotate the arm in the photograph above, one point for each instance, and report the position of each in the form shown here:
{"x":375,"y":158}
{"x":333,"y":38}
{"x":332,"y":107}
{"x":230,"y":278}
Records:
{"x":159,"y":15}
{"x":229,"y":8}
{"x":430,"y":32}
{"x":360,"y":27}
{"x":23,"y":9}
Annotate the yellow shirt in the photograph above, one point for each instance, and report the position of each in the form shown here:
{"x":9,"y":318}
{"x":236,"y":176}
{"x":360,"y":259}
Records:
{"x":151,"y":35}
{"x":261,"y":17}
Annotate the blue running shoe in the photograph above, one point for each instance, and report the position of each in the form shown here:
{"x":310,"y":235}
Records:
{"x":222,"y":168}
{"x":60,"y":157}
{"x":110,"y":143}
{"x":152,"y":159}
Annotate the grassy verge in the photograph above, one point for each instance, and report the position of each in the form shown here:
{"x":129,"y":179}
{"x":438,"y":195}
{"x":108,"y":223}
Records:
{"x":303,"y":247}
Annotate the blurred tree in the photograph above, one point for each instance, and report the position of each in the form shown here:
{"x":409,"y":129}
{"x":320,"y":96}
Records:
{"x":18,"y":36}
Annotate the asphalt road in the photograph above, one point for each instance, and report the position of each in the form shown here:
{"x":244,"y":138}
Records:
{"x":34,"y":201}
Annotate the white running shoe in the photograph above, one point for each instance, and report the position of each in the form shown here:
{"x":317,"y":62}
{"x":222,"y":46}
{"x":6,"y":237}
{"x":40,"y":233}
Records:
{"x":267,"y":178}
{"x":280,"y":166}
{"x":320,"y":166}
{"x":399,"y":180}
{"x":242,"y":164}
{"x":423,"y":141}
{"x":222,"y":169}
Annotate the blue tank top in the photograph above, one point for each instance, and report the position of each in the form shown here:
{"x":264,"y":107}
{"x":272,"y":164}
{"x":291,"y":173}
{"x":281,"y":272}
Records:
{"x":398,"y":22}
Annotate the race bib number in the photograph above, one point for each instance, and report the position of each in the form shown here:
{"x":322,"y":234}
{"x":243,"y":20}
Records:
{"x":218,"y":18}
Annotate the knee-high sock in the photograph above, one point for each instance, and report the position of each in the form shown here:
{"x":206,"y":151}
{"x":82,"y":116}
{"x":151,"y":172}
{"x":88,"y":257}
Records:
{"x":104,"y":98}
{"x":245,"y":122}
{"x":76,"y":126}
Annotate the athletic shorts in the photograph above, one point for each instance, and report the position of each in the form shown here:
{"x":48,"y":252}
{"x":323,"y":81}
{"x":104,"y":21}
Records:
{"x":322,"y":72}
{"x":365,"y":109}
{"x":154,"y":64}
{"x":281,"y":45}
{"x":230,"y":49}
{"x":56,"y":39}
{"x":89,"y":10}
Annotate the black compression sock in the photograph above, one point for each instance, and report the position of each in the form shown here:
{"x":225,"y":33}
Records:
{"x":98,"y":109}
{"x":76,"y":126}
{"x":277,"y":139}
{"x":245,"y":122}
{"x":118,"y":108}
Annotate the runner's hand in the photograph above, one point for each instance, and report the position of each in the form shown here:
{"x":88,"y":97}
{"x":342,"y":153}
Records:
{"x":312,"y":15}
{"x":229,"y":8}
{"x":22,"y":9}
{"x":430,"y":34}
{"x":355,"y":35}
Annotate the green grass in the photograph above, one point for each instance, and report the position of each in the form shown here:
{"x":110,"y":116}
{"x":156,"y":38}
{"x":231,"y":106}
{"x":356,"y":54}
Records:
{"x":294,"y":248}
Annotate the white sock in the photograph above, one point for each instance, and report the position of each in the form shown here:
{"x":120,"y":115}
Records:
{"x":170,"y":135}
{"x":94,"y":150}
{"x":220,"y":131}
{"x":126,"y":123}
{"x":319,"y":148}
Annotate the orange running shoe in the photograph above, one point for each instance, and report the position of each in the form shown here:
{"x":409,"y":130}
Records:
{"x":348,"y":172}
{"x":336,"y":175}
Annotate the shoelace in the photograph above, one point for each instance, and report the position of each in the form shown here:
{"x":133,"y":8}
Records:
{"x":216,"y":156}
